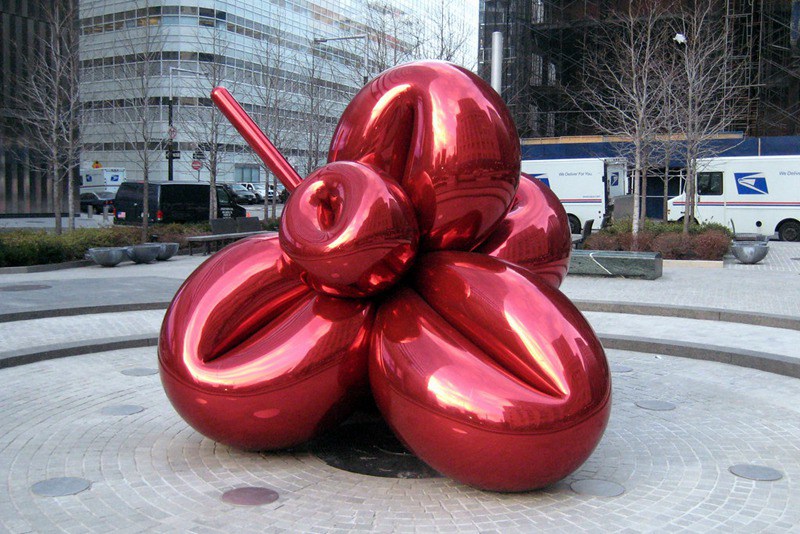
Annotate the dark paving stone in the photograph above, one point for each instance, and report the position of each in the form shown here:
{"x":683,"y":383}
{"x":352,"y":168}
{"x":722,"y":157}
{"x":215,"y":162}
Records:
{"x":61,"y":486}
{"x":24,"y":287}
{"x":369,"y":448}
{"x":250,"y":496}
{"x":140,"y":371}
{"x":597,"y":488}
{"x":619,"y":368}
{"x":121,"y":409}
{"x":655,"y":405}
{"x":755,"y":472}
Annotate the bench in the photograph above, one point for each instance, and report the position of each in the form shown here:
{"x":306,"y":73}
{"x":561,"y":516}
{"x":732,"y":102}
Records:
{"x":226,"y":231}
{"x":647,"y":265}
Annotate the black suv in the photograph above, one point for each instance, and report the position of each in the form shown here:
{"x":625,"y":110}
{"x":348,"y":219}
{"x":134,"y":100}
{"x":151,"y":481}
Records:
{"x":172,"y":202}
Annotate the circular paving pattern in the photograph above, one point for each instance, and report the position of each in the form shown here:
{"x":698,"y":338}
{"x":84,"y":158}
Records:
{"x":151,"y":472}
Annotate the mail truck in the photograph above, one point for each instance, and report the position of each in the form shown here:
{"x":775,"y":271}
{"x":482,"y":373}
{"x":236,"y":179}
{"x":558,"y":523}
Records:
{"x":585,"y":186}
{"x":754,"y":195}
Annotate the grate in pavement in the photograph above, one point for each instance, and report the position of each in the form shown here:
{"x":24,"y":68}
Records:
{"x":121,"y":409}
{"x":755,"y":472}
{"x":250,"y":496}
{"x":25,"y":287}
{"x":61,"y":486}
{"x":597,"y":488}
{"x":655,"y":405}
{"x":139,"y":371}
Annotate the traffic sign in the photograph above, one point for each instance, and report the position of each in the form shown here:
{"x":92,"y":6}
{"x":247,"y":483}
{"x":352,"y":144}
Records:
{"x":172,"y":154}
{"x":172,"y":132}
{"x":199,"y":154}
{"x":196,"y":165}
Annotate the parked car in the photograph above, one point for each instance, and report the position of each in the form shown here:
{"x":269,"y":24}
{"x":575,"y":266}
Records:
{"x":97,"y":200}
{"x":172,"y":202}
{"x":260,"y":190}
{"x":240,"y":194}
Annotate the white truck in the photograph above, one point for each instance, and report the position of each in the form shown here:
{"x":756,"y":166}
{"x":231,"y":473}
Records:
{"x":585,"y":186}
{"x":105,"y":179}
{"x":758,"y":195}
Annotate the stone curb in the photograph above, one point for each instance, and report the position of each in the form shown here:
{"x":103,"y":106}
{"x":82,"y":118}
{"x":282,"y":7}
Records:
{"x":762,"y":361}
{"x":787,"y":322}
{"x":50,"y":352}
{"x":81,"y":310}
{"x":46,"y":267}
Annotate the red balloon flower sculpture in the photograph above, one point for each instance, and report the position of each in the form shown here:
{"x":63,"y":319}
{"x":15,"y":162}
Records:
{"x":416,"y":262}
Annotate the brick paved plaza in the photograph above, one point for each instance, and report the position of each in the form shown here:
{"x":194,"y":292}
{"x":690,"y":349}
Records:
{"x":149,"y":472}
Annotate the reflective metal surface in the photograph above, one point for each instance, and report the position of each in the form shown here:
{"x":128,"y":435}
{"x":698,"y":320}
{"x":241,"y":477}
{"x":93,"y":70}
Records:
{"x":489,"y":374}
{"x":351,"y":229}
{"x":482,"y":368}
{"x":250,"y":357}
{"x":447,"y":138}
{"x":535,"y":234}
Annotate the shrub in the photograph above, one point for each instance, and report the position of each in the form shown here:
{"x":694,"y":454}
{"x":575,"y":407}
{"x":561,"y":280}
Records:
{"x":711,"y":245}
{"x":602,"y":241}
{"x":674,"y":246}
{"x":36,"y":247}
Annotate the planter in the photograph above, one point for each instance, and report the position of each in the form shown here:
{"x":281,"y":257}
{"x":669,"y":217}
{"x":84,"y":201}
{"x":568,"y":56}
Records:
{"x":166,"y":251}
{"x":107,"y":256}
{"x":750,"y":251}
{"x":145,"y":253}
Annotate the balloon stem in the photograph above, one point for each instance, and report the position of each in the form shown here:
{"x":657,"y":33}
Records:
{"x":260,"y":143}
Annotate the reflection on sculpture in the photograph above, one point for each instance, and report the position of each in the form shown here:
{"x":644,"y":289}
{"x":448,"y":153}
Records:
{"x":416,"y":263}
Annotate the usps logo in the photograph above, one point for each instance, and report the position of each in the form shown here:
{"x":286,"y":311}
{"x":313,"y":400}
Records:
{"x":614,"y":178}
{"x":542,"y":177}
{"x":751,"y":183}
{"x":88,"y":177}
{"x":115,"y":177}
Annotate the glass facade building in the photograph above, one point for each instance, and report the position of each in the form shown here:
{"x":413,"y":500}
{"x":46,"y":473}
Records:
{"x":147,"y":68}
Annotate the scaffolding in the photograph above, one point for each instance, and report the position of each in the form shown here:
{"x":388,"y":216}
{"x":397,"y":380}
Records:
{"x":545,"y":43}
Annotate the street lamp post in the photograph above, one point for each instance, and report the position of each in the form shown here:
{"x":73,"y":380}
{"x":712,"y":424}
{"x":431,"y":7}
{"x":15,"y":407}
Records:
{"x":171,"y":128}
{"x":320,"y":40}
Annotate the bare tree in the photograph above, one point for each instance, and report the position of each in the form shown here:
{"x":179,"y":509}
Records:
{"x":318,"y":105}
{"x":394,"y":36}
{"x":448,"y":35}
{"x":137,"y":114}
{"x":706,"y":87}
{"x":51,"y":106}
{"x":622,"y":96}
{"x":271,"y":101}
{"x":204,"y":124}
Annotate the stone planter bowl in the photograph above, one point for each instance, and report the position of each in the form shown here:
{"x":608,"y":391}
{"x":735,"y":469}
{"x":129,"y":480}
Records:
{"x":107,"y":256}
{"x":167,"y":251}
{"x":145,"y":253}
{"x":750,"y":251}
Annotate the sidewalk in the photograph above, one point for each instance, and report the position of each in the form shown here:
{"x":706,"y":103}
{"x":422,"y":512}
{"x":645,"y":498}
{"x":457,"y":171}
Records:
{"x":150,"y":472}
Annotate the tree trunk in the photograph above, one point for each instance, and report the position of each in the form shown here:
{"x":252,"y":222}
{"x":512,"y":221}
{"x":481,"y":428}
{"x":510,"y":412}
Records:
{"x":56,"y":195}
{"x":212,"y":189}
{"x":666,"y":190}
{"x":145,"y":202}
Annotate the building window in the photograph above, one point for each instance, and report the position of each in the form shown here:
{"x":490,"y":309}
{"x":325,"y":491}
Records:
{"x":247,"y":173}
